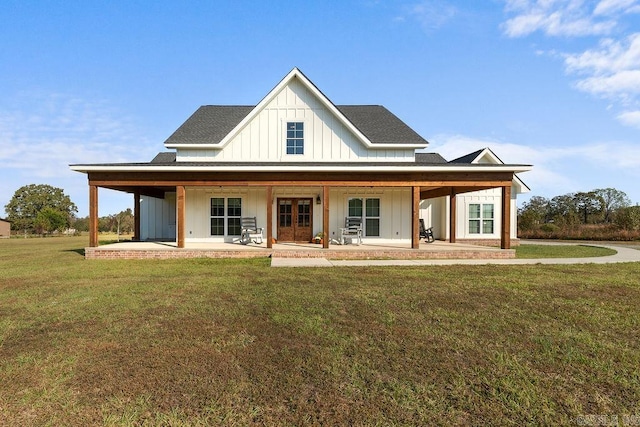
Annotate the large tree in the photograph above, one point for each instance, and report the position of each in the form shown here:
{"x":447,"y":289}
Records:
{"x":28,"y":201}
{"x":533,"y":213}
{"x":612,"y":200}
{"x":589,"y":206}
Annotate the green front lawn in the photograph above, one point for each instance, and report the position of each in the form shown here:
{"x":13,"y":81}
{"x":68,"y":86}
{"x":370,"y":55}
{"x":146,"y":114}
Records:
{"x":561,"y":251}
{"x":236,"y":342}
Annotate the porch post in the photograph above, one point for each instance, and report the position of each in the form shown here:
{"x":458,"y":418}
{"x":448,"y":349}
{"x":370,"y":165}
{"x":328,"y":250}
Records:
{"x":505,"y":231}
{"x":452,"y":215}
{"x":93,"y":216}
{"x":415,"y":218}
{"x":136,"y":215}
{"x":269,"y":217}
{"x":180,"y":208}
{"x":325,"y":217}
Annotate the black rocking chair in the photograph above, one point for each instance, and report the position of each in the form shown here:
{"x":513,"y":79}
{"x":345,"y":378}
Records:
{"x":426,"y":233}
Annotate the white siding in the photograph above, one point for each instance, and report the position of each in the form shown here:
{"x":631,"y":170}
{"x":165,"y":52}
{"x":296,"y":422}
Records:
{"x":158,"y":217}
{"x":493,"y":196}
{"x":395,"y":212}
{"x":434,"y":213}
{"x":198,"y":210}
{"x":325,"y":138}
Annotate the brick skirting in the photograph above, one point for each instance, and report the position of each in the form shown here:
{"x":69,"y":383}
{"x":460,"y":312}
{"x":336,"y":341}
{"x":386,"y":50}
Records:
{"x":488,"y":242}
{"x":174,"y":253}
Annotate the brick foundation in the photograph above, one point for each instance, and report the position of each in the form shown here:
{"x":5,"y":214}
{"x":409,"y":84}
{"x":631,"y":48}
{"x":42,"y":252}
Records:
{"x":488,"y":242}
{"x":172,"y":253}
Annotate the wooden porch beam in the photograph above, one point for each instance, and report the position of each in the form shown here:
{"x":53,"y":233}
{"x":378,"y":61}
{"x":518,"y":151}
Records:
{"x":445,"y":191}
{"x":452,"y":215}
{"x":122,"y":185}
{"x":93,"y":216}
{"x":269,"y":201}
{"x":415,"y":218}
{"x":180,"y":215}
{"x":505,"y":231}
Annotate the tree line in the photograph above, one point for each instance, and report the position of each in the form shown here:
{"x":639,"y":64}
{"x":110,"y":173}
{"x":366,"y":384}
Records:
{"x":603,"y":206}
{"x":42,"y":209}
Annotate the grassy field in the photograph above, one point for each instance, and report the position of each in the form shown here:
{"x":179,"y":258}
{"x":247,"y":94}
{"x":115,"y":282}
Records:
{"x":228,"y":342}
{"x":529,"y":251}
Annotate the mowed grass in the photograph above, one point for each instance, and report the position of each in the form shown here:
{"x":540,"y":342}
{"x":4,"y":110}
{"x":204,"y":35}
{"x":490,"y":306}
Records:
{"x":532,"y":251}
{"x":236,"y":342}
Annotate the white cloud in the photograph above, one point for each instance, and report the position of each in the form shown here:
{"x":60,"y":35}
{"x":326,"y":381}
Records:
{"x":431,"y":14}
{"x":556,"y":170}
{"x":610,"y":70}
{"x":557,"y":18}
{"x":630,"y":118}
{"x":44,"y":133}
{"x":607,"y":7}
{"x":41,"y":134}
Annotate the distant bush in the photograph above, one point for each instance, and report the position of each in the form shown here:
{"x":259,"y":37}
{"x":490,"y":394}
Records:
{"x":549,"y":228}
{"x":611,"y":232}
{"x":628,"y":218}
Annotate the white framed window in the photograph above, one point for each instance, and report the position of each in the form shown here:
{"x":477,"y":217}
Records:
{"x":369,"y":210}
{"x":295,"y":138}
{"x":226,"y":214}
{"x":481,"y":218}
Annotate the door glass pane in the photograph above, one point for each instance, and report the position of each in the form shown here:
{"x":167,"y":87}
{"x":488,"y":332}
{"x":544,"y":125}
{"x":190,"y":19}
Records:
{"x":285,"y":213}
{"x":304,"y":213}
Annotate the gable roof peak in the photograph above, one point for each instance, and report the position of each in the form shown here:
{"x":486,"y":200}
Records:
{"x":252,"y":112}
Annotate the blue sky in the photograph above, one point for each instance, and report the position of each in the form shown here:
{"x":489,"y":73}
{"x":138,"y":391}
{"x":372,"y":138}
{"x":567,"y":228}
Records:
{"x":553,"y":83}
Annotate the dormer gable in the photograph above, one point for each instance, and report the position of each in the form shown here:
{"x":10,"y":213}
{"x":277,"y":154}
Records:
{"x":487,"y":156}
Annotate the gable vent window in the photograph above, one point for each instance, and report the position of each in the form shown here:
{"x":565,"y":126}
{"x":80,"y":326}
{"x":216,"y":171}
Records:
{"x":295,"y":138}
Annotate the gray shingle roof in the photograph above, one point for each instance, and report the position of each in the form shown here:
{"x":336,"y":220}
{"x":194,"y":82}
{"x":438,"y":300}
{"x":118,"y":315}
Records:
{"x":380,"y":125}
{"x":169,"y":157}
{"x":468,"y":158}
{"x":211,"y":123}
{"x":429,"y":158}
{"x":165,"y":157}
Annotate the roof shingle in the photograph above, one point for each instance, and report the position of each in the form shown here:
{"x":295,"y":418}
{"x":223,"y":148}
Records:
{"x":211,"y":123}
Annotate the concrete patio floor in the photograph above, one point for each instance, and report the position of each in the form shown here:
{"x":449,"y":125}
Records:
{"x":365,"y":251}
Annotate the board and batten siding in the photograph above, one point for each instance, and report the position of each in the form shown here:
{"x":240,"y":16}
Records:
{"x":493,"y":196}
{"x":326,"y":139}
{"x":395,"y":212}
{"x":434,"y":212}
{"x":198,"y":211}
{"x":158,"y":217}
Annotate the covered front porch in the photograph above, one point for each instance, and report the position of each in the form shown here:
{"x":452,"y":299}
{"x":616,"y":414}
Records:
{"x":170,"y":250}
{"x":418,"y":185}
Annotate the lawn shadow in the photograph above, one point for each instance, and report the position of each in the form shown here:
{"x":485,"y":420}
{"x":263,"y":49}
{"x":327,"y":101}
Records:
{"x":78,"y":251}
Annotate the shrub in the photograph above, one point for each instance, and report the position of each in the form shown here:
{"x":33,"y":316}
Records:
{"x":549,"y":228}
{"x":628,"y":218}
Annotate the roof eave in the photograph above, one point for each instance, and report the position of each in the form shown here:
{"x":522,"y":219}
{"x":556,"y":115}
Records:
{"x":298,"y":168}
{"x":372,"y":146}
